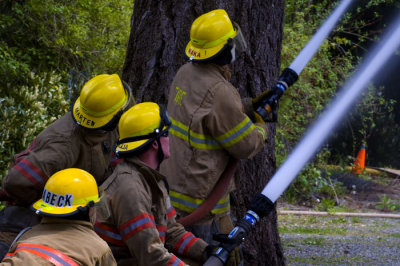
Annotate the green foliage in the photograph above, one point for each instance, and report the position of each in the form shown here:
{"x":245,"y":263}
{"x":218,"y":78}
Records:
{"x":40,"y":43}
{"x":314,"y":241}
{"x":46,"y":36}
{"x":372,"y":119}
{"x":387,"y":204}
{"x":28,"y":110}
{"x":308,"y":96}
{"x":335,"y":60}
{"x":373,"y":107}
{"x":311,"y":230}
{"x":326,"y":204}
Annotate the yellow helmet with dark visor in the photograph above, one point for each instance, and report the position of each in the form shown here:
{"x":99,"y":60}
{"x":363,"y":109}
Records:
{"x":140,"y":126}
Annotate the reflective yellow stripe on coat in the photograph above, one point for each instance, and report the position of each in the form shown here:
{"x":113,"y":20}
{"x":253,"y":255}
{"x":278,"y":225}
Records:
{"x":189,"y":204}
{"x":226,"y":140}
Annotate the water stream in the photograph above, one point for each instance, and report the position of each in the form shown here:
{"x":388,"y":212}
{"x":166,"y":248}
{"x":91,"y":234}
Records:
{"x":330,"y":118}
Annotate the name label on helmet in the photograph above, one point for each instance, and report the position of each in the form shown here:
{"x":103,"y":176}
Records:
{"x":57,"y":200}
{"x":123,"y":147}
{"x":82,"y":119}
{"x":194,"y":53}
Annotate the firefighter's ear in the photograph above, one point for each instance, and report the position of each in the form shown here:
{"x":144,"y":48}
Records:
{"x":154,"y":145}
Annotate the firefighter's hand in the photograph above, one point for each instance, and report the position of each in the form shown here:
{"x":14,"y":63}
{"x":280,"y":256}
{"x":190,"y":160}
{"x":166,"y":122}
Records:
{"x":208,"y":251}
{"x":257,"y":100}
{"x":234,"y":257}
{"x":258,"y":118}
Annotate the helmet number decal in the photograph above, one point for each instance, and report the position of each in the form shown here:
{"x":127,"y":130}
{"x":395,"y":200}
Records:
{"x":57,"y":200}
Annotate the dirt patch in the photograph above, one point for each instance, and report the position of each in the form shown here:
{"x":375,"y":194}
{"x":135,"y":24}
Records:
{"x":366,"y":193}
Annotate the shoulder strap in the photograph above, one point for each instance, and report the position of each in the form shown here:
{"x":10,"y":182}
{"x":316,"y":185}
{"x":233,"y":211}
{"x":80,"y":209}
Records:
{"x":52,"y":255}
{"x":18,"y":237}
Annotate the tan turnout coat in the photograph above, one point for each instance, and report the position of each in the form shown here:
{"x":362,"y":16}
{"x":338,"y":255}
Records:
{"x":62,"y":145}
{"x":209,"y":127}
{"x":137,"y":220}
{"x":63,"y":240}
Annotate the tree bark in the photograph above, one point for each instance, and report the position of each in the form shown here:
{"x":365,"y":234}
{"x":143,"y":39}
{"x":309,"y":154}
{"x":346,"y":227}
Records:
{"x":159,"y":34}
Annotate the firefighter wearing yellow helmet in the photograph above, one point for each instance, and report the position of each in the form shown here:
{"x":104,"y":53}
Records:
{"x":136,"y":217}
{"x":65,"y":234}
{"x":82,"y":138}
{"x":101,"y":102}
{"x":209,"y":125}
{"x":212,"y":34}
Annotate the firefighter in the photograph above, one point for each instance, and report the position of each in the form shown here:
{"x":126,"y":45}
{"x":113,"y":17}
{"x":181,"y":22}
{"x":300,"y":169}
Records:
{"x":209,"y":123}
{"x":65,"y":235}
{"x":82,"y":138}
{"x":135,"y":216}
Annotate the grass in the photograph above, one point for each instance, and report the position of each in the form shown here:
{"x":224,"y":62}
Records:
{"x":324,"y":260}
{"x":315,"y":231}
{"x":315,"y":240}
{"x":355,"y":220}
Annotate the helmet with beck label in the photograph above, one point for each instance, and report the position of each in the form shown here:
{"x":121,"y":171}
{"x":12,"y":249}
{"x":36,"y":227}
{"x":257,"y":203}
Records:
{"x":211,"y":33}
{"x":66,"y":191}
{"x":140,"y":126}
{"x":101,"y":103}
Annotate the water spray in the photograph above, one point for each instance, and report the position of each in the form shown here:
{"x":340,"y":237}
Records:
{"x":268,"y":106}
{"x":262,"y":203}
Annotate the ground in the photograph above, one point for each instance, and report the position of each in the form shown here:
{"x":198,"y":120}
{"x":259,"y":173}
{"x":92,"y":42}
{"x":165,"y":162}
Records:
{"x":310,"y":240}
{"x":366,"y":191}
{"x":333,"y":240}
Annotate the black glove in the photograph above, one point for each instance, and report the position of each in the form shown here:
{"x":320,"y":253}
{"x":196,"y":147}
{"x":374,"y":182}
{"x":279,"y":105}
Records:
{"x":257,"y":100}
{"x":208,"y":251}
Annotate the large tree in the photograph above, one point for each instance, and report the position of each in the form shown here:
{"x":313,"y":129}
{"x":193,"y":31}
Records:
{"x":159,"y":34}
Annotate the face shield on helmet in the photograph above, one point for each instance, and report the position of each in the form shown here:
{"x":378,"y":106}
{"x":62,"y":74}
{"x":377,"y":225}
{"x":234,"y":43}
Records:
{"x":237,"y":43}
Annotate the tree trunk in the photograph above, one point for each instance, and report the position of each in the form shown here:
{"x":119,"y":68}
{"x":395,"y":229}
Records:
{"x":159,"y":34}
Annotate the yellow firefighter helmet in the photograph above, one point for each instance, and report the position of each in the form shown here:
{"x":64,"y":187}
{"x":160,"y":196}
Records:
{"x":102,"y":101}
{"x":66,"y":191}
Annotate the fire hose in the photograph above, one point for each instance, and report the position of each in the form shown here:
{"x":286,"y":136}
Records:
{"x":267,"y":109}
{"x":219,"y":190}
{"x":262,"y":204}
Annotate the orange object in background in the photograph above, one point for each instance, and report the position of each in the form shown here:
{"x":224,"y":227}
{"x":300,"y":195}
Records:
{"x":359,"y":164}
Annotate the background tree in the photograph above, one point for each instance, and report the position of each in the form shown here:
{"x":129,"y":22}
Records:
{"x":160,"y":32}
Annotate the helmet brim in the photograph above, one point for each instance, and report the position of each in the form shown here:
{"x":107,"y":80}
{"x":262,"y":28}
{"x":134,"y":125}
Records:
{"x":195,"y":53}
{"x":88,"y":121}
{"x":42,"y":208}
{"x":129,"y":147}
